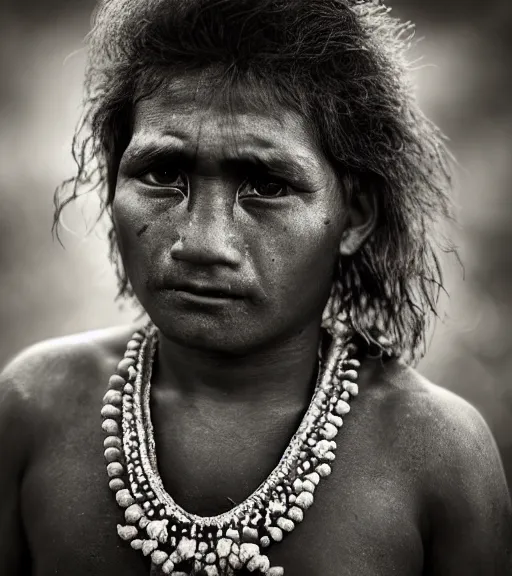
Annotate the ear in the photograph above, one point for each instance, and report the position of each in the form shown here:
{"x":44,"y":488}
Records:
{"x":361,"y":222}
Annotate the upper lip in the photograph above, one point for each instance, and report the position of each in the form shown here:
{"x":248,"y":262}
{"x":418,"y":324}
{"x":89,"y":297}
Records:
{"x":206,"y":289}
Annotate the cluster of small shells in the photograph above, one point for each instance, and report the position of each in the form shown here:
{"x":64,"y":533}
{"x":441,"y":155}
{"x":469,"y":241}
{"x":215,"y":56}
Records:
{"x":180,"y":543}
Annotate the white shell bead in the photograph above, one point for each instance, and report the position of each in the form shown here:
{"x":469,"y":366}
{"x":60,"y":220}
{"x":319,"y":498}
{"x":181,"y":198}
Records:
{"x":308,"y":486}
{"x":211,"y":571}
{"x":116,"y":484}
{"x":275,"y":571}
{"x":349,"y":374}
{"x":112,"y":454}
{"x":313,"y":477}
{"x":324,"y":470}
{"x":277,"y":507}
{"x":168,"y":567}
{"x":350,"y":387}
{"x":305,"y":500}
{"x":127,"y":532}
{"x":247,"y":551}
{"x":342,"y":408}
{"x":133,"y":513}
{"x":116,"y":382}
{"x":114,"y":469}
{"x":186,"y":548}
{"x":275,"y":533}
{"x":233,"y":534}
{"x":137,"y":544}
{"x":158,"y":557}
{"x":234,"y":562}
{"x":336,"y":420}
{"x":124,"y":498}
{"x":113,"y":397}
{"x":110,"y":411}
{"x":157,"y":529}
{"x":112,"y":442}
{"x":296,"y":514}
{"x":265,"y":541}
{"x":250,"y":534}
{"x":148,"y":546}
{"x":258,"y":563}
{"x":321,"y":448}
{"x":285,"y":524}
{"x":264,"y":564}
{"x":124,"y":364}
{"x":110,"y":426}
{"x":253,"y":564}
{"x":297,"y":485}
{"x":345,"y":396}
{"x":329,"y":431}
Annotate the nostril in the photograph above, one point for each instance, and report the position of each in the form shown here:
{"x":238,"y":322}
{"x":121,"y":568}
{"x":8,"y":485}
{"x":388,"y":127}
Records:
{"x":203,"y":247}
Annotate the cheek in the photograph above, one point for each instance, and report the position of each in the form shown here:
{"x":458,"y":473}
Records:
{"x":301,"y":252}
{"x":130,"y":221}
{"x":135,"y":222}
{"x":137,"y":217}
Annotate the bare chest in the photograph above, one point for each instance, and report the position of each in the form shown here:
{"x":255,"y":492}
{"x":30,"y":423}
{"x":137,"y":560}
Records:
{"x":364,"y":519}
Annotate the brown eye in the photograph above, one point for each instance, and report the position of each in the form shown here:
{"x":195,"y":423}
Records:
{"x":166,"y":178}
{"x":262,"y":189}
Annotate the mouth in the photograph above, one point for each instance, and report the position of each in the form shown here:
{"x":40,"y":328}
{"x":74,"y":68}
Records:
{"x":204,"y":294}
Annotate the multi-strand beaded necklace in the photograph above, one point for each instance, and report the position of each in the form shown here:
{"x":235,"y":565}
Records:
{"x":184,"y":544}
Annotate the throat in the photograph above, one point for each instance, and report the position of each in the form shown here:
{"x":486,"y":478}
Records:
{"x":281,"y":375}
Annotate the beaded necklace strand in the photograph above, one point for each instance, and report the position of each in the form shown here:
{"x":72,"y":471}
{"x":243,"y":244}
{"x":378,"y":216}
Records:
{"x":183,"y":544}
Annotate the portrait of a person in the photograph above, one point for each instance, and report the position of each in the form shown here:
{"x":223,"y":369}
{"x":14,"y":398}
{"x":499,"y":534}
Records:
{"x":275,"y":196}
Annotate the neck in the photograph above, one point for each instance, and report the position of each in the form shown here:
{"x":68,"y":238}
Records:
{"x":281,"y":373}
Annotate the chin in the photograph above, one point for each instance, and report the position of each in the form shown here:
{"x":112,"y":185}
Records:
{"x":206,"y":334}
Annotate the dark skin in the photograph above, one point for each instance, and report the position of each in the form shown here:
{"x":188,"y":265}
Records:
{"x":417,"y":488}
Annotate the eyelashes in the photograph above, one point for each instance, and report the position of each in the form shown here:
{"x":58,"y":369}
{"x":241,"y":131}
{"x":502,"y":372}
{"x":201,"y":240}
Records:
{"x":165,"y":178}
{"x":263,"y":189}
{"x":175,"y":180}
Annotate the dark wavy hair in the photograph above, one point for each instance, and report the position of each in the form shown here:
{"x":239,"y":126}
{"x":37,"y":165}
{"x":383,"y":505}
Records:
{"x":339,"y":63}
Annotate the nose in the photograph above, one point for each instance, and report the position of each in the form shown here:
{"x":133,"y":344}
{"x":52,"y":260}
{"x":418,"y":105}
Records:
{"x":207,"y":230}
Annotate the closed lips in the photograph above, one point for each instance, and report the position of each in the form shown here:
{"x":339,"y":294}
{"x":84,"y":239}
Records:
{"x":212,"y":291}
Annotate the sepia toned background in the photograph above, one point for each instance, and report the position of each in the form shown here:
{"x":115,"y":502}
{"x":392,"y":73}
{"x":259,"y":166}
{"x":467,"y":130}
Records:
{"x":465,"y":85}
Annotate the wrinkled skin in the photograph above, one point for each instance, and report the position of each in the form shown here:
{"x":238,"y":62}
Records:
{"x":192,"y":204}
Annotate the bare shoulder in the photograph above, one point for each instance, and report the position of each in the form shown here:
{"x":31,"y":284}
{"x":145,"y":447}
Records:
{"x":56,"y":372}
{"x":442,"y":430}
{"x":448,"y":447}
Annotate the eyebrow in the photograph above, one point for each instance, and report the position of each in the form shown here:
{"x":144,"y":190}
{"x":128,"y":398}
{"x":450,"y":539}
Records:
{"x":275,"y":162}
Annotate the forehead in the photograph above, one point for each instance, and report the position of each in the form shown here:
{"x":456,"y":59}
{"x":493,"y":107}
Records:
{"x":188,"y":112}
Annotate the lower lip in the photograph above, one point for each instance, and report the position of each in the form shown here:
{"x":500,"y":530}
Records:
{"x":203,"y":298}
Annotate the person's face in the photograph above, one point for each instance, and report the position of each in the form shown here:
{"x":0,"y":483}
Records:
{"x":229,"y":224}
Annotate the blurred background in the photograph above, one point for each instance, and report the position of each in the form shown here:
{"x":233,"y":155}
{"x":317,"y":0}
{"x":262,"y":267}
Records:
{"x":464,"y":84}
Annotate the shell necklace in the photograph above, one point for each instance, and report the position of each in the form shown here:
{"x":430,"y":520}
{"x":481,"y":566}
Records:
{"x":184,"y":544}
